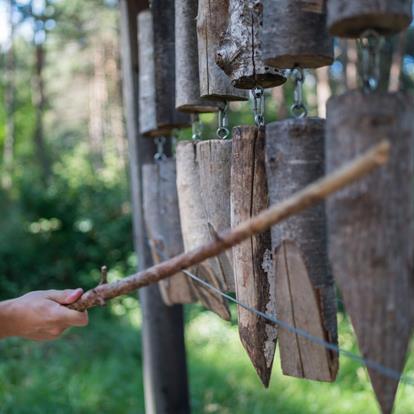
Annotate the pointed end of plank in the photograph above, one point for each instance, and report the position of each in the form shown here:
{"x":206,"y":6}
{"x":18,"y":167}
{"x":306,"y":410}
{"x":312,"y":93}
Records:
{"x":385,"y":390}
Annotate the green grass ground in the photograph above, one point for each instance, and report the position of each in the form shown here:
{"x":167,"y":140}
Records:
{"x":98,"y":370}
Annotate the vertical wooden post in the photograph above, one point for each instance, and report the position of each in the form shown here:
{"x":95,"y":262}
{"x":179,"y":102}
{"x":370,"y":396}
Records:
{"x":165,"y":372}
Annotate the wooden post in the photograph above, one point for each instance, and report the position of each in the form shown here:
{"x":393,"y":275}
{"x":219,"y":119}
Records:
{"x":212,"y":20}
{"x":214,"y":160}
{"x":194,"y":227}
{"x":158,"y":115}
{"x":162,"y":219}
{"x":187,"y":80}
{"x":295,"y":34}
{"x":370,"y":229}
{"x":255,"y":281}
{"x":165,"y":371}
{"x":305,"y":290}
{"x":240,"y":52}
{"x":351,"y":18}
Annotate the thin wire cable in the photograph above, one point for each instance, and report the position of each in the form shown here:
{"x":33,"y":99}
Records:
{"x":388,"y":372}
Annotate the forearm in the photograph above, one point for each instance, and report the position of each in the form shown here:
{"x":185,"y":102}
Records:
{"x":7,"y":320}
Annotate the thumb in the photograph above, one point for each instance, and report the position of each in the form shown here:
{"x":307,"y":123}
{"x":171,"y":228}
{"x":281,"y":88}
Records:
{"x":65,"y":297}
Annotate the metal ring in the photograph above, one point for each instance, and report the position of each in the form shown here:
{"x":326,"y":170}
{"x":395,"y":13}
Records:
{"x":299,"y":111}
{"x":222,"y":133}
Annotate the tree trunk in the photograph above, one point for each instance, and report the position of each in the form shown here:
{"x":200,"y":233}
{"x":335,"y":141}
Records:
{"x":194,"y":226}
{"x":212,"y":20}
{"x":351,"y":18}
{"x":240,"y":51}
{"x":294,"y":34}
{"x":305,"y":290}
{"x":370,"y":229}
{"x":255,"y":279}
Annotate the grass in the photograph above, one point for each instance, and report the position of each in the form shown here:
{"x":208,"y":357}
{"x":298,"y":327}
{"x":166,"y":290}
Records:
{"x":98,"y":370}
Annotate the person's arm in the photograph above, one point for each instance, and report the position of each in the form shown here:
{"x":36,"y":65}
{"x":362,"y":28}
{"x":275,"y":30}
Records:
{"x":40,"y":315}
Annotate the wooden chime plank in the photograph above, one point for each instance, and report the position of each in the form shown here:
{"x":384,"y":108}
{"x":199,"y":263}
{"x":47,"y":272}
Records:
{"x":194,"y":227}
{"x":212,"y":21}
{"x":255,"y":281}
{"x":157,"y":114}
{"x":370,"y":229}
{"x":240,"y":52}
{"x":295,"y":34}
{"x":351,"y":18}
{"x":187,"y":82}
{"x":305,"y":291}
{"x":214,"y":160}
{"x":162,"y":222}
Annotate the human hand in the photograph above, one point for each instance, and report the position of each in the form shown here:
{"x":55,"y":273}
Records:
{"x":40,"y":315}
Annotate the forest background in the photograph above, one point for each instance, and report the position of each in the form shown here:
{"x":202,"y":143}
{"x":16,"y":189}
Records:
{"x":65,"y":211}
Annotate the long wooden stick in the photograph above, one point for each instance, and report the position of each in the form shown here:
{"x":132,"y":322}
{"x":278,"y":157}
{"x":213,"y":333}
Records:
{"x":298,"y":202}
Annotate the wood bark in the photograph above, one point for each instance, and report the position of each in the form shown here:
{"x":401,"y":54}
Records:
{"x":214,"y":160}
{"x":255,"y":279}
{"x":240,"y":51}
{"x":369,"y":223}
{"x":194,"y":227}
{"x":163,"y":350}
{"x":187,"y":82}
{"x":298,"y":202}
{"x":305,"y":290}
{"x":157,"y":73}
{"x":212,"y":20}
{"x":294,"y":34}
{"x":353,"y":17}
{"x":162,"y":219}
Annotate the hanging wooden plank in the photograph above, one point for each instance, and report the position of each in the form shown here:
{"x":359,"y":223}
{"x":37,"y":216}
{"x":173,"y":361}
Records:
{"x":255,"y":281}
{"x":157,"y":114}
{"x":212,"y":20}
{"x":351,"y":18}
{"x":214,"y":159}
{"x":162,"y":220}
{"x":240,"y":51}
{"x":370,"y":229}
{"x":295,"y":34}
{"x":187,"y":82}
{"x":305,"y":290}
{"x":194,"y":227}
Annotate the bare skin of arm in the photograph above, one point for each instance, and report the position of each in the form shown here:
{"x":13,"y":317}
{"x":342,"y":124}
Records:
{"x":40,"y":315}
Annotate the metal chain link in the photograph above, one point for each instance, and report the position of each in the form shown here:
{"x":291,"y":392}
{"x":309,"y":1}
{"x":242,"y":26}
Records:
{"x":160,"y":155}
{"x":223,"y":131}
{"x":197,"y":127}
{"x":298,"y":109}
{"x":258,"y":105}
{"x":369,"y":47}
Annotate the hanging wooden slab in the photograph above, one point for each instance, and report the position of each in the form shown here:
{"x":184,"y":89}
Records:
{"x":369,"y":223}
{"x":187,"y":82}
{"x":212,"y":21}
{"x":194,"y":227}
{"x":157,"y":114}
{"x":240,"y":52}
{"x":305,"y":290}
{"x":255,"y":281}
{"x":295,"y":34}
{"x":162,"y":221}
{"x":214,"y":160}
{"x":351,"y":18}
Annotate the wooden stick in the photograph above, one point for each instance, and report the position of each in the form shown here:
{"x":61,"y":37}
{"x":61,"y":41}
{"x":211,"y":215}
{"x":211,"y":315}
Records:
{"x":298,"y":202}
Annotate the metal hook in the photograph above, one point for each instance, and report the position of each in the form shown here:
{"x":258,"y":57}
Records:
{"x":223,"y":131}
{"x":298,"y":109}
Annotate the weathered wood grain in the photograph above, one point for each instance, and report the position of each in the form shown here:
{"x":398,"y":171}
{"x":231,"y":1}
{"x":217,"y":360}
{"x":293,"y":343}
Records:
{"x":305,"y":290}
{"x":157,"y":114}
{"x":214,"y":160}
{"x":370,"y":228}
{"x":194,"y":226}
{"x":353,"y":17}
{"x":294,"y":34}
{"x":187,"y":79}
{"x":240,"y":51}
{"x":162,"y":220}
{"x":212,"y":21}
{"x":255,"y":281}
